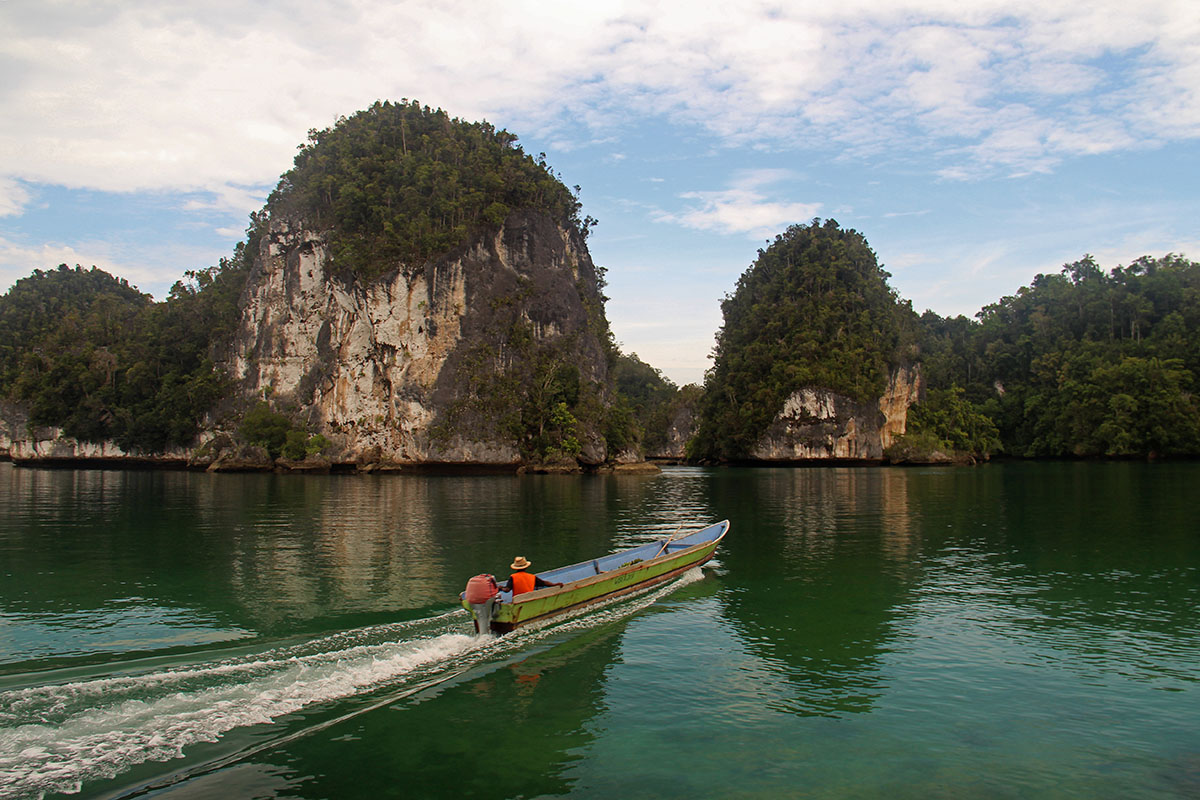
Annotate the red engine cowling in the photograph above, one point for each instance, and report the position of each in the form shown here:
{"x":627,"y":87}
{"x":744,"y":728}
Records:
{"x":481,"y":588}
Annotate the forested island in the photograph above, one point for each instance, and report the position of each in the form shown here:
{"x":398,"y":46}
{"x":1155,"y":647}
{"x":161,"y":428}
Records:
{"x":1082,"y":363}
{"x":417,"y":290}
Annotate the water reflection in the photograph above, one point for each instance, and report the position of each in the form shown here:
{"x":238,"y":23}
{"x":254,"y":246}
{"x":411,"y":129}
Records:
{"x":860,"y":630}
{"x":828,"y":562}
{"x":1107,"y":554}
{"x":838,"y":568}
{"x":242,"y":555}
{"x":823,"y":571}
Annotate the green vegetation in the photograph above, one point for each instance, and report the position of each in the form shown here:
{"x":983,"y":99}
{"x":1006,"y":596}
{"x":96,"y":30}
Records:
{"x":278,"y":435}
{"x":392,"y":186}
{"x":1081,"y":363}
{"x":400,"y":183}
{"x":513,"y":386}
{"x":88,"y":353}
{"x":814,"y":309}
{"x":646,"y":403}
{"x":944,"y":421}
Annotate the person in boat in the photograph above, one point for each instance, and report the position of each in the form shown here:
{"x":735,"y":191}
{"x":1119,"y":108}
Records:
{"x":522,"y":580}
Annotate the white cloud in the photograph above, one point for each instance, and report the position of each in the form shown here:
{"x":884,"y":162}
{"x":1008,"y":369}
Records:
{"x":13,"y":197}
{"x":215,"y":96}
{"x":744,"y":208}
{"x":229,"y":199}
{"x":18,"y":261}
{"x":741,"y":211}
{"x":206,"y":103}
{"x":153,"y":268}
{"x":1147,"y":242}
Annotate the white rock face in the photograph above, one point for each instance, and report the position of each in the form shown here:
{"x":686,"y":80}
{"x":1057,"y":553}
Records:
{"x":338,"y":350}
{"x":816,"y":424}
{"x":49,"y":445}
{"x":366,"y":365}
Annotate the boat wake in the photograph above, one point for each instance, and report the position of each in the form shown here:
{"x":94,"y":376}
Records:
{"x":58,"y":736}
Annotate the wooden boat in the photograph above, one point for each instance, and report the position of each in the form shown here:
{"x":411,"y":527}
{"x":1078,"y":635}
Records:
{"x":606,"y":577}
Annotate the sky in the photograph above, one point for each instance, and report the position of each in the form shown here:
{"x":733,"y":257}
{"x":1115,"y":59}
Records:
{"x":973,"y":143}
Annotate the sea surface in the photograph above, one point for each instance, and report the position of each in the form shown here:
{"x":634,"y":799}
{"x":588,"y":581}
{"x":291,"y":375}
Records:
{"x":1005,"y":631}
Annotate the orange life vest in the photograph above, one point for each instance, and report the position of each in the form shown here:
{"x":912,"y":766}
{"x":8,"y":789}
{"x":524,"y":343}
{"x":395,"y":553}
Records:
{"x":523,"y":582}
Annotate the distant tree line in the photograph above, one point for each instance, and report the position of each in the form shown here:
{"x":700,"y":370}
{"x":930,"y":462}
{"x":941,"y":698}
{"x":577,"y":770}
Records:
{"x":88,"y":353}
{"x":1081,"y":363}
{"x":646,"y":402}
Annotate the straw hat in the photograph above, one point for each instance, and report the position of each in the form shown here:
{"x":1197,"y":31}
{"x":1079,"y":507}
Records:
{"x":520,"y":563}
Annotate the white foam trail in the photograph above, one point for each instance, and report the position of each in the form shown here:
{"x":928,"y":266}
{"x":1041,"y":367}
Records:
{"x":55,"y":737}
{"x":115,"y":733}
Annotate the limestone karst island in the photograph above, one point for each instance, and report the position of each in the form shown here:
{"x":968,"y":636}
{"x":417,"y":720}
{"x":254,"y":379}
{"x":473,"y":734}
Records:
{"x":417,"y":292}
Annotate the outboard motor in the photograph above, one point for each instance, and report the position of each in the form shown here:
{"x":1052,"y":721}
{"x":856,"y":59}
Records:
{"x":481,"y":594}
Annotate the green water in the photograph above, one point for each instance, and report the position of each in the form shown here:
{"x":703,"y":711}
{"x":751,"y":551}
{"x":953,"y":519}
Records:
{"x":1006,"y":631}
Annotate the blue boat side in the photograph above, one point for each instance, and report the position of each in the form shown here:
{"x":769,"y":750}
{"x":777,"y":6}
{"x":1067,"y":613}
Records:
{"x":645,"y":552}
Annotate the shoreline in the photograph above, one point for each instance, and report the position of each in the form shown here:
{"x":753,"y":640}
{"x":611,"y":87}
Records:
{"x":282,"y":467}
{"x":651,"y":466}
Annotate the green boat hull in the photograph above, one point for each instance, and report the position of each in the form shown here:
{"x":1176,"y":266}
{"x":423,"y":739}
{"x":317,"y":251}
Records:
{"x":629,"y":578}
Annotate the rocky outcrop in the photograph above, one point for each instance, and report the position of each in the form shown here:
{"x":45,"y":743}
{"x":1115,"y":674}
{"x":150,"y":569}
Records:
{"x":921,"y":457}
{"x":244,"y":458}
{"x":635,"y":468}
{"x":819,"y":425}
{"x":390,"y":372}
{"x":14,"y":426}
{"x":680,"y":429}
{"x":49,"y":447}
{"x":23,"y":443}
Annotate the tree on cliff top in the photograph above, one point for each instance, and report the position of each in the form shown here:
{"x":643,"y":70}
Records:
{"x":814,"y":310}
{"x":400,"y":183}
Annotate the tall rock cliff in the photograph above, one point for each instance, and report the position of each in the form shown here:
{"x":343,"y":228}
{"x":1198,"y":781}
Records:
{"x":422,"y":366}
